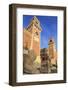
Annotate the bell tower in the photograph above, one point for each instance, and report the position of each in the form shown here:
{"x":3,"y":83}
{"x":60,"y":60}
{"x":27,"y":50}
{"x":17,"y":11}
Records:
{"x":31,"y":38}
{"x":52,"y":48}
{"x":52,"y":51}
{"x":35,"y":29}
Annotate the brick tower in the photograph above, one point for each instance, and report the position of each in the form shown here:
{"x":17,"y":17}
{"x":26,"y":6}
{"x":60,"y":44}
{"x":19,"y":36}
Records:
{"x":32,"y":36}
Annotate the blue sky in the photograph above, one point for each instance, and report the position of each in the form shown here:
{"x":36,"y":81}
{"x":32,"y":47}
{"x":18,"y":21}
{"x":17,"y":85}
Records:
{"x":48,"y":25}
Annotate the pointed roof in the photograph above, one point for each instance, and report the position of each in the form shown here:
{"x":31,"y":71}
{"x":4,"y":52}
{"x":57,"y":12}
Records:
{"x":36,"y":19}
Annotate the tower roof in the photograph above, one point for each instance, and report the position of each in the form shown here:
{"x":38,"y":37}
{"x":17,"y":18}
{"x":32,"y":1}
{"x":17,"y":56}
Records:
{"x":36,"y":19}
{"x":51,"y":40}
{"x":36,"y":22}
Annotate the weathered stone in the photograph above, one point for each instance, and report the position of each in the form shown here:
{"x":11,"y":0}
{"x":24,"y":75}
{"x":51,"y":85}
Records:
{"x":28,"y":63}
